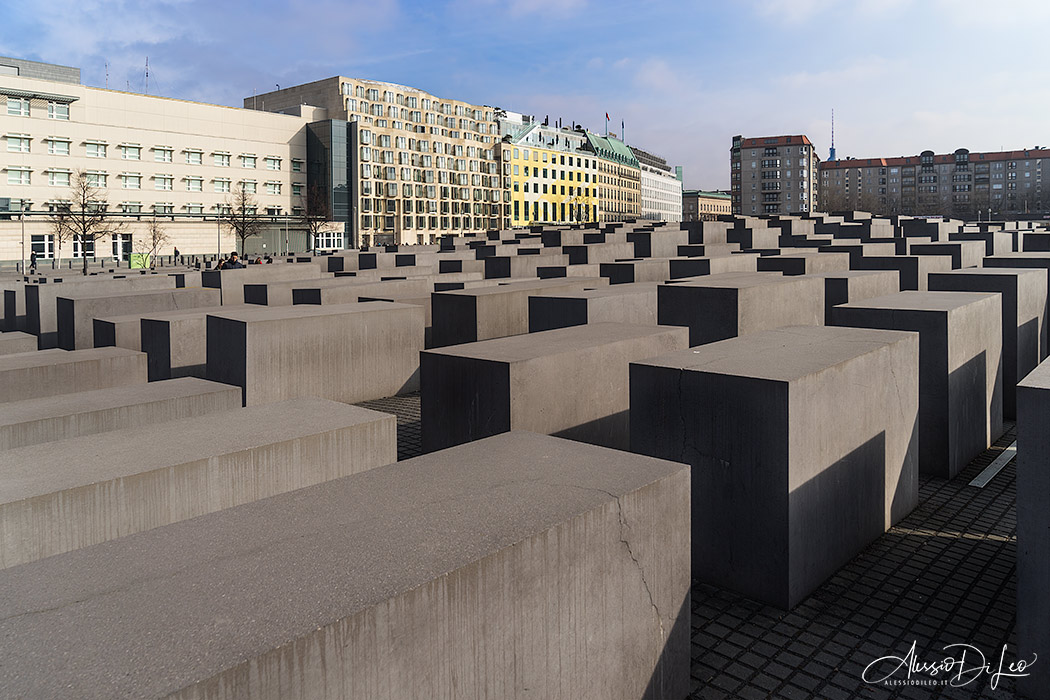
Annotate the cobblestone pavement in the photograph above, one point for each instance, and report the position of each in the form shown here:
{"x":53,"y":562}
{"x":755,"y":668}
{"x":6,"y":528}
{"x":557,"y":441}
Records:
{"x":944,"y":575}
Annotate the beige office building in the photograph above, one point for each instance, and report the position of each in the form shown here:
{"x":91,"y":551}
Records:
{"x":773,"y":175}
{"x":182,"y":161}
{"x":426,"y":166}
{"x":698,"y":205}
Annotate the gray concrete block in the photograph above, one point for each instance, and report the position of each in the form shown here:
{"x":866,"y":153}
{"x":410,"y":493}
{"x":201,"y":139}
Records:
{"x":960,"y":368}
{"x":76,"y":312}
{"x":964,"y":253}
{"x":804,"y":263}
{"x":857,"y":285}
{"x":469,"y":315}
{"x":175,"y":342}
{"x":803,"y":446}
{"x":40,"y":373}
{"x":570,"y":382}
{"x":518,"y":266}
{"x":384,"y":585}
{"x":913,"y":269}
{"x":16,"y":341}
{"x":348,"y":352}
{"x":59,"y":496}
{"x":33,"y":421}
{"x":1023,"y":294}
{"x":231,"y":282}
{"x":41,"y":299}
{"x":621,"y":303}
{"x":1033,"y":531}
{"x":728,"y":305}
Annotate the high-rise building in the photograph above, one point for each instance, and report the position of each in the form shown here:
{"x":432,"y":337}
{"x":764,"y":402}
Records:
{"x":773,"y":175}
{"x":410,"y":166}
{"x":619,"y":178}
{"x":960,"y":184}
{"x":550,"y":175}
{"x":661,"y":188}
{"x":145,"y":156}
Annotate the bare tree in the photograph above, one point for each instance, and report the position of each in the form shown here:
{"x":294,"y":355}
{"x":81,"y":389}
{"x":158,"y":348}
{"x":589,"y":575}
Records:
{"x":154,"y":237}
{"x":85,"y":219}
{"x":241,"y":216}
{"x":316,"y":212}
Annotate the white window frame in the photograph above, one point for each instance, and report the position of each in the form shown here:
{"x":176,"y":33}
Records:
{"x":58,"y":111}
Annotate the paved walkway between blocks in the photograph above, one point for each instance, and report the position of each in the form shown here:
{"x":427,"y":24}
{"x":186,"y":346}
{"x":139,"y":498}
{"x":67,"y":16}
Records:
{"x":944,"y":575}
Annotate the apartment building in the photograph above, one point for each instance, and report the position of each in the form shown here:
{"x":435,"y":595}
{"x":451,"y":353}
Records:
{"x":619,"y":178}
{"x":773,"y":175}
{"x":698,"y":205}
{"x":415,"y":166}
{"x":147,"y":155}
{"x":661,"y":188}
{"x":962,"y":184}
{"x":549,"y":175}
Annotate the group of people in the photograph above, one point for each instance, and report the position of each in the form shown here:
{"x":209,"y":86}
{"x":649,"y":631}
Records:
{"x":234,"y":262}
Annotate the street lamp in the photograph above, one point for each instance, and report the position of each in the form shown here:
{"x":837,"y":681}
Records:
{"x":22,"y":217}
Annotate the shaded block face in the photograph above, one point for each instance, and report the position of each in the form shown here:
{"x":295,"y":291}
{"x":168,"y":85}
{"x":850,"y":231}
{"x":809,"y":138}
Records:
{"x":803,"y":446}
{"x":960,"y":368}
{"x":1023,"y":296}
{"x":805,"y":264}
{"x":1033,"y":529}
{"x":517,"y":530}
{"x":963,"y":253}
{"x":135,"y":479}
{"x":570,"y":382}
{"x":720,"y":307}
{"x":350,"y":352}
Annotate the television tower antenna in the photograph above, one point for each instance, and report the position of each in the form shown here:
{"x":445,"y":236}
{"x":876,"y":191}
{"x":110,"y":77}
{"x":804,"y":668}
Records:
{"x":831,"y":151}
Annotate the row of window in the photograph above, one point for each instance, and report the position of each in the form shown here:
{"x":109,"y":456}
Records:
{"x":19,"y":107}
{"x":57,"y":177}
{"x":58,"y":146}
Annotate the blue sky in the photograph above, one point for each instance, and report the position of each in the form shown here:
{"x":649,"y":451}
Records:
{"x":902,"y":75}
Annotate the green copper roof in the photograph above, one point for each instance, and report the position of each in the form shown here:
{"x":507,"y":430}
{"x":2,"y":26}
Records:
{"x":609,"y":148}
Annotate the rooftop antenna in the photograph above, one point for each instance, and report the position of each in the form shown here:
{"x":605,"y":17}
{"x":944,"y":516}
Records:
{"x":831,"y":151}
{"x":107,"y":75}
{"x":147,"y":75}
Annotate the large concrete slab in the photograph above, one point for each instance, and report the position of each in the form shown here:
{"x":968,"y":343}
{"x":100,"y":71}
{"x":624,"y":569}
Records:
{"x":470,"y":315}
{"x":570,"y":382}
{"x":76,"y":313}
{"x":805,"y":263}
{"x":1023,"y":294}
{"x":1033,"y":531}
{"x":964,"y":253}
{"x":913,"y":269}
{"x":41,"y":299}
{"x":856,"y":285}
{"x":621,"y":303}
{"x":724,"y":306}
{"x":803,"y":446}
{"x":28,"y":375}
{"x":59,"y":496}
{"x":231,"y":282}
{"x":16,"y":341}
{"x":345,"y":352}
{"x":33,"y":421}
{"x":519,"y":566}
{"x":960,"y":368}
{"x":175,"y":342}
